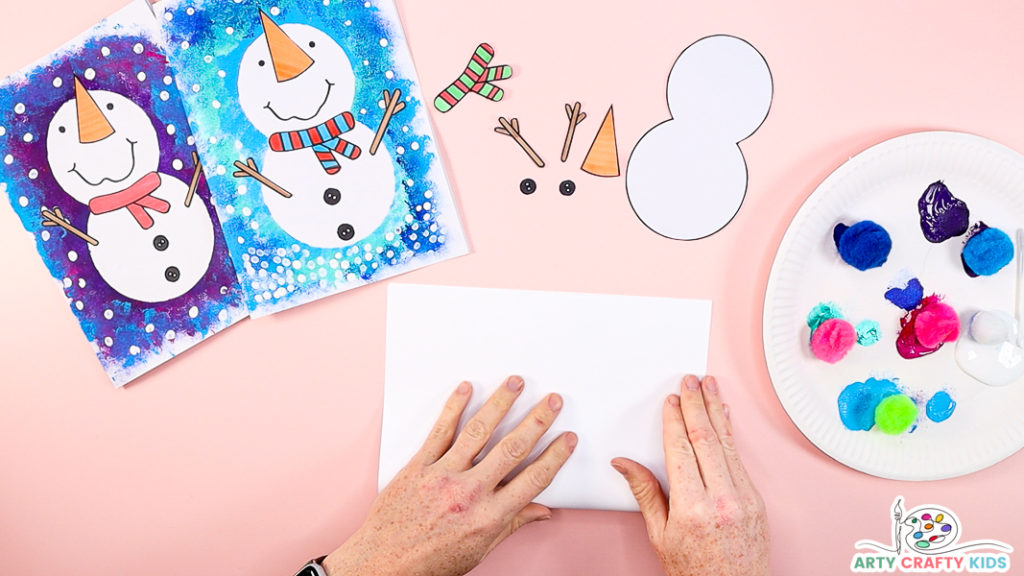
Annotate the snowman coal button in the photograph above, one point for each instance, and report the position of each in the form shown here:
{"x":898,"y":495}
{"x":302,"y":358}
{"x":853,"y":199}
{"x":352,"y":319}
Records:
{"x":332,"y":196}
{"x":172,"y":274}
{"x":161,"y":243}
{"x":346,"y":232}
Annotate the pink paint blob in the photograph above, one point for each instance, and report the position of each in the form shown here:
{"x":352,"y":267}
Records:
{"x":926,"y":328}
{"x":833,"y":339}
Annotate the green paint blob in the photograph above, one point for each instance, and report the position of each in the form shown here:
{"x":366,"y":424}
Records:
{"x":822,"y":312}
{"x":922,"y":544}
{"x":895,"y":414}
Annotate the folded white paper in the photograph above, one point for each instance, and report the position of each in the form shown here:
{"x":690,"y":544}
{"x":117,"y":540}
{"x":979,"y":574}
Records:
{"x":612,"y":358}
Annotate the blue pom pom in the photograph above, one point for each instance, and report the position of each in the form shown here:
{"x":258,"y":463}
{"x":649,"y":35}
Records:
{"x":987,"y":252}
{"x":864,"y":245}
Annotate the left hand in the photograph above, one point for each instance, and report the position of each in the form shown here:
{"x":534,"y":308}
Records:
{"x":442,"y":514}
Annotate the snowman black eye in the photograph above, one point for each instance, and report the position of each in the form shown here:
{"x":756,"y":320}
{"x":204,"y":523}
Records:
{"x":262,"y":63}
{"x":312,"y":44}
{"x":528,"y":186}
{"x":61,"y":129}
{"x":567,"y":187}
{"x":110,"y":106}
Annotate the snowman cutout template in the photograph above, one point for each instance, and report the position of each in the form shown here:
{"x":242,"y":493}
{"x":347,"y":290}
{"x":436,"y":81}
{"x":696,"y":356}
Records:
{"x":686,"y":178}
{"x":296,"y":86}
{"x":150,"y":237}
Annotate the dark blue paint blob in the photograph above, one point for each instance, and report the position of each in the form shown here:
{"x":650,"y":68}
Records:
{"x":940,"y":407}
{"x":858,"y":401}
{"x":864,"y":245}
{"x":987,"y":251}
{"x":908,"y":297}
{"x":943,"y":215}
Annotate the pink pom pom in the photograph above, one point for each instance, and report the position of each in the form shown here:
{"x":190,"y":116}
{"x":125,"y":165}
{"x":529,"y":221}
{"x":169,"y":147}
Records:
{"x":833,"y":339}
{"x":936,"y":324}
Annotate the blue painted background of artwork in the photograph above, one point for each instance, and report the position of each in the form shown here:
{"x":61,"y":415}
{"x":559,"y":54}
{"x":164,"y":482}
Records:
{"x":206,"y":41}
{"x":130,"y":337}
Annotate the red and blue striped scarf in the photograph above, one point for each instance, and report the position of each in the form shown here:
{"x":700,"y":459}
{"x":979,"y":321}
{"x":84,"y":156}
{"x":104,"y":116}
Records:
{"x":324,"y":139}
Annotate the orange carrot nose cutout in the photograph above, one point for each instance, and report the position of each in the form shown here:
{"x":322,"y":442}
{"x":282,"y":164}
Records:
{"x":289,"y":60}
{"x":93,"y":126}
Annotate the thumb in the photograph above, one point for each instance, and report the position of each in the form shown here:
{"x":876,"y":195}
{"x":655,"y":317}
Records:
{"x":647,"y":491}
{"x":532,"y":512}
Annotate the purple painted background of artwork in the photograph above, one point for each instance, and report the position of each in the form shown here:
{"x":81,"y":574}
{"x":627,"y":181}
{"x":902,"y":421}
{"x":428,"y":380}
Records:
{"x":118,"y":71}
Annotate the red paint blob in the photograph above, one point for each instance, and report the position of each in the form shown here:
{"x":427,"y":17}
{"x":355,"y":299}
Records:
{"x":926,"y":328}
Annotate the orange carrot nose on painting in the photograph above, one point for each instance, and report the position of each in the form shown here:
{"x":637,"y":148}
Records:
{"x":289,"y":60}
{"x":93,"y":126}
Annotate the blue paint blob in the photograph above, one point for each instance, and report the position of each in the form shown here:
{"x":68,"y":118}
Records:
{"x":821,"y":312}
{"x":858,"y":401}
{"x":940,"y":407}
{"x":987,"y":251}
{"x":907,"y":297}
{"x":865,"y":245}
{"x":868,"y":332}
{"x":943,"y":215}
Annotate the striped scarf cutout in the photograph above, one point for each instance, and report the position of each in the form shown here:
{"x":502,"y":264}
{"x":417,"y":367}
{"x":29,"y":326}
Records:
{"x":325,"y":139}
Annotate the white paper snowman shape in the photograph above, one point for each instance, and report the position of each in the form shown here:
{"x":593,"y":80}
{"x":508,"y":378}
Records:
{"x":103,"y":151}
{"x":296,"y":86}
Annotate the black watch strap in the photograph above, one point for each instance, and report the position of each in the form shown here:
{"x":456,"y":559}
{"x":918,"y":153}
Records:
{"x":313,"y":568}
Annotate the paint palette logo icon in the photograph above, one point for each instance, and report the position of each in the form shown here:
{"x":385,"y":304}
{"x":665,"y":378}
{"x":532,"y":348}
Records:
{"x":932,"y":529}
{"x":927,"y":539}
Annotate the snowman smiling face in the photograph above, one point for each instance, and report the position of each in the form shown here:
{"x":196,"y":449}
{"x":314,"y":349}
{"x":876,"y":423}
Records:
{"x":99,"y":143}
{"x":293,"y":77}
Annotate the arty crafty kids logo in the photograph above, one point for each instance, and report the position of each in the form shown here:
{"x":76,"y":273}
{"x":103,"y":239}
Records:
{"x":927,"y":539}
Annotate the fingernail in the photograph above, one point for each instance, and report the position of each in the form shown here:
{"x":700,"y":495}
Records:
{"x":514,"y":383}
{"x":710,"y":385}
{"x":673,"y":400}
{"x":725,"y":408}
{"x":619,"y":468}
{"x":691,"y":382}
{"x":464,"y":388}
{"x":543,"y":518}
{"x":571,"y":440}
{"x":555,"y":402}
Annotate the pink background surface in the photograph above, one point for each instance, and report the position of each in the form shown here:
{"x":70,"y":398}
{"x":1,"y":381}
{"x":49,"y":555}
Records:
{"x":258,"y":450}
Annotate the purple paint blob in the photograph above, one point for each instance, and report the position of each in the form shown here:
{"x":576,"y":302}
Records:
{"x":943,"y":216}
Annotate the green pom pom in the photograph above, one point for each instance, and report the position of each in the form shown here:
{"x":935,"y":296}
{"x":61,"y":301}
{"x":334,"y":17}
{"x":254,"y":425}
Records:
{"x":822,"y":312}
{"x":896,"y":414}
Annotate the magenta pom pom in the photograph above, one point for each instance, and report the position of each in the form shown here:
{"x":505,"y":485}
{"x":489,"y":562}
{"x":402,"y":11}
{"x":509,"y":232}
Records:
{"x":936,"y":324}
{"x":833,"y":339}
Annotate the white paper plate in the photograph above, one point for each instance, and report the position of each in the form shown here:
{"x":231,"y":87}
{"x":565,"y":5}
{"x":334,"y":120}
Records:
{"x":884,"y":184}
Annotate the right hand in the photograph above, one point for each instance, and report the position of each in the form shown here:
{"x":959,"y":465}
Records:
{"x":443,"y":513}
{"x":713,"y":522}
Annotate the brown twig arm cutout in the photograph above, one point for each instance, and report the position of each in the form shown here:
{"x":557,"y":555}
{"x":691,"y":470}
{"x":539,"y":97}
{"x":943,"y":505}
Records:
{"x":392,"y":105}
{"x":55,"y":218}
{"x":249,"y":169}
{"x":511,"y":129}
{"x":575,"y":117}
{"x":195,"y":179}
